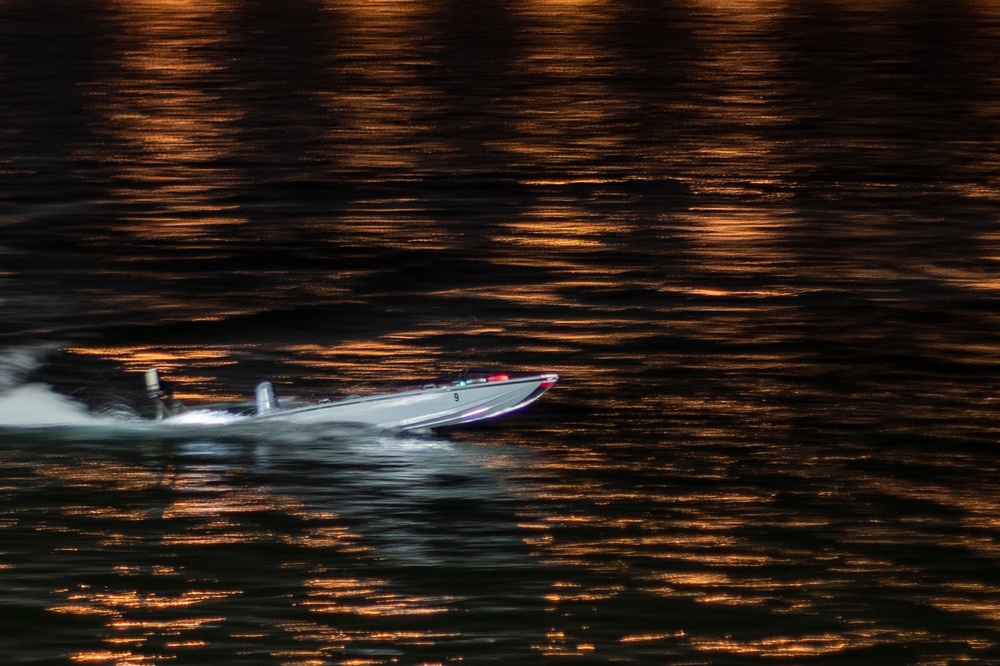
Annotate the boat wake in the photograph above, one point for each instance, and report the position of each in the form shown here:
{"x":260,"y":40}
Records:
{"x":27,"y":404}
{"x":36,"y":405}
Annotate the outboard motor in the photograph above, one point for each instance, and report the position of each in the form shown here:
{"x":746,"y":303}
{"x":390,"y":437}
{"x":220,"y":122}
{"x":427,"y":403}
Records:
{"x":153,"y":384}
{"x":156,"y":394}
{"x":266,"y":400}
{"x":161,"y":394}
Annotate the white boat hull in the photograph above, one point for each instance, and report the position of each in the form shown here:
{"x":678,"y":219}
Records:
{"x":431,"y":406}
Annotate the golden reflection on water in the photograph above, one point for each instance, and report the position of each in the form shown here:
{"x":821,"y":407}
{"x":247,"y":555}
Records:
{"x":691,"y":544}
{"x":740,"y":241}
{"x":182,"y":364}
{"x":740,"y":64}
{"x":705,"y":549}
{"x":172,"y":135}
{"x":350,"y":596}
{"x":785,"y":646}
{"x":170,"y":128}
{"x":562,"y":122}
{"x":386,"y":359}
{"x":554,"y":236}
{"x":125,"y":610}
{"x":145,"y":626}
{"x":979,"y":514}
{"x":559,"y":645}
{"x":381,"y":107}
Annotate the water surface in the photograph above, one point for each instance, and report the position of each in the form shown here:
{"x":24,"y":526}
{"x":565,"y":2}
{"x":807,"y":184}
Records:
{"x":757,"y":240}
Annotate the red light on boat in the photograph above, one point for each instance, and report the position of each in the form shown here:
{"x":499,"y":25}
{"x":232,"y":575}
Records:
{"x":499,"y":377}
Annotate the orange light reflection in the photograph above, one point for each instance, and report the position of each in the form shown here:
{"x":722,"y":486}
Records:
{"x":382,"y":101}
{"x":183,"y":364}
{"x":171,"y":130}
{"x":206,"y":510}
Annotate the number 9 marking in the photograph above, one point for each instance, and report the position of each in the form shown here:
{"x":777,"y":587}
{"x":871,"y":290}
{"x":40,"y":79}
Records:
{"x":456,"y":397}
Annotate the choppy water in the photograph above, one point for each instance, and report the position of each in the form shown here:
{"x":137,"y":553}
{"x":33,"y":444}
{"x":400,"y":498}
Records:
{"x":758,"y":240}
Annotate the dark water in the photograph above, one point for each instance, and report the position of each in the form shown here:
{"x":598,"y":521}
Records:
{"x":758,"y":240}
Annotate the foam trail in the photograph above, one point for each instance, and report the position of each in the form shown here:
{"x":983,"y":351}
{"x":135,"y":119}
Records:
{"x":17,"y":362}
{"x":35,"y":404}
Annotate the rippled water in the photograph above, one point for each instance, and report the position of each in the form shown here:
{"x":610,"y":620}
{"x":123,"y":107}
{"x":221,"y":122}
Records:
{"x":757,"y":240}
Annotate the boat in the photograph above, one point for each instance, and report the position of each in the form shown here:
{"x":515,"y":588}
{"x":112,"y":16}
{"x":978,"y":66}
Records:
{"x":469,"y":398}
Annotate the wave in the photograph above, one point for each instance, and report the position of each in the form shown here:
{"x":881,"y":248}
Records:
{"x":39,"y":405}
{"x":34,"y":404}
{"x":16,"y":363}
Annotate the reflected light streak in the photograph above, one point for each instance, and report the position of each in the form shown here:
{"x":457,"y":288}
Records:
{"x":707,"y":554}
{"x":382,"y":101}
{"x":382,"y":105}
{"x":330,"y":536}
{"x":188,"y":368}
{"x":649,"y":638}
{"x":571,"y":118}
{"x":144,"y":626}
{"x":88,"y":474}
{"x":391,"y":358}
{"x":807,"y":646}
{"x":574,"y":592}
{"x":396,"y":223}
{"x":178,"y":306}
{"x":732,"y":154}
{"x":557,"y":12}
{"x":733,"y":240}
{"x":748,"y":10}
{"x":556,"y":229}
{"x":367,"y":598}
{"x":559,"y":645}
{"x":975,"y":599}
{"x":981,"y":278}
{"x":135,"y":633}
{"x":171,"y":131}
{"x":980,"y":514}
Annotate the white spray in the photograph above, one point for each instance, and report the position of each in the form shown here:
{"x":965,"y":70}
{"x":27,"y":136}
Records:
{"x":23,"y":404}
